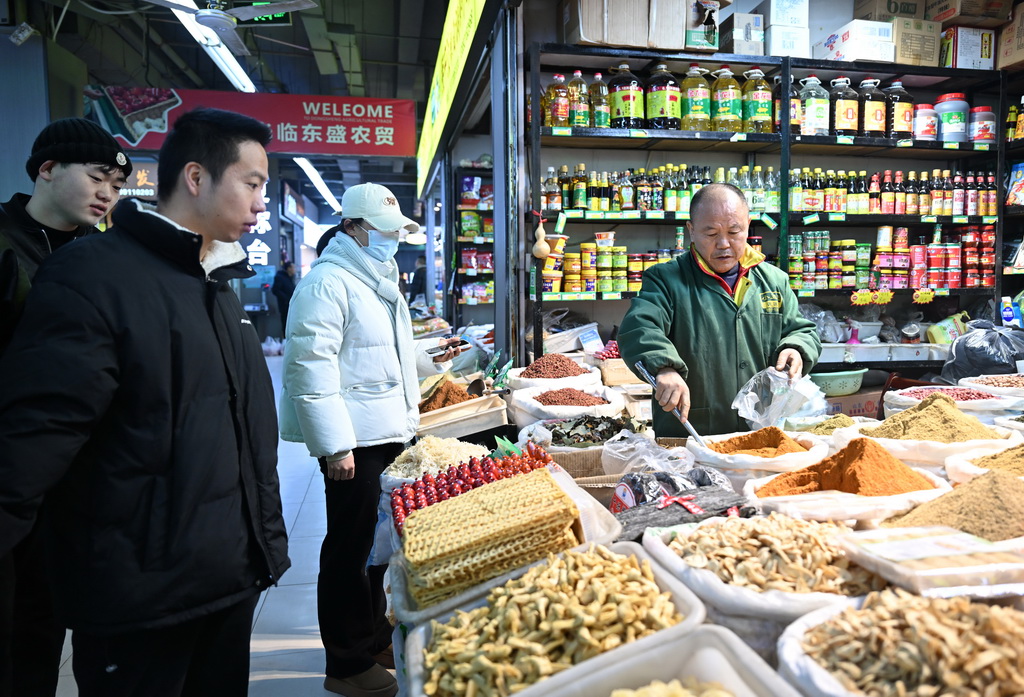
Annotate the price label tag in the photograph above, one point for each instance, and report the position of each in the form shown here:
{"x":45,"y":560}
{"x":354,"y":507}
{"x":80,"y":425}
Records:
{"x":570,"y":296}
{"x":833,"y":217}
{"x":923,"y":296}
{"x":805,"y":293}
{"x":981,"y":146}
{"x":613,"y":215}
{"x":594,"y":215}
{"x":960,"y":219}
{"x":574,"y":213}
{"x":481,"y":240}
{"x":471,"y":301}
{"x":560,"y":222}
{"x":738,"y":137}
{"x":951,"y":145}
{"x":611,"y":296}
{"x":682,"y":215}
{"x":637,"y":133}
{"x":844,"y":140}
{"x":942,"y":292}
{"x":553,"y":297}
{"x":631,"y":215}
{"x":929,"y":219}
{"x":882,"y":297}
{"x":769,"y":221}
{"x":861,"y":297}
{"x":471,"y":272}
{"x":905,"y":143}
{"x":561,"y":131}
{"x":588,"y":296}
{"x":810,"y":219}
{"x":989,"y":219}
{"x":655,"y":215}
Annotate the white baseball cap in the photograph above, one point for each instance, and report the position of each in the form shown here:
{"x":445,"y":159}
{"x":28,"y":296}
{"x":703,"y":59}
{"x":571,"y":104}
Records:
{"x":377,"y":206}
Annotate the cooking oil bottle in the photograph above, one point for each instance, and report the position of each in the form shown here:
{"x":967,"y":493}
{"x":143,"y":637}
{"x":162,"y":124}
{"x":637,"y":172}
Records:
{"x":696,"y":112}
{"x":627,"y":99}
{"x":794,"y":105}
{"x":757,"y":102}
{"x":556,"y":102}
{"x":814,"y":107}
{"x":579,"y":101}
{"x":600,"y":110}
{"x":664,"y":109}
{"x":845,"y":107}
{"x":726,"y":102}
{"x":872,"y":109}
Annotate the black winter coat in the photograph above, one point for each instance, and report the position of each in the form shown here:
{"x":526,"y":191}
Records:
{"x":136,"y":396}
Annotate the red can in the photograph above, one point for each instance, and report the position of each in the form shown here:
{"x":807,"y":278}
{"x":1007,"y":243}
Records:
{"x":972,"y":279}
{"x":971,"y":257}
{"x":936,"y":278}
{"x":919,"y":255}
{"x":970,"y":236}
{"x":936,"y":255}
{"x":919,"y":277}
{"x":988,"y":236}
{"x":821,"y":263}
{"x":953,"y":255}
{"x":988,"y":279}
{"x":953,"y":278}
{"x":987,"y":261}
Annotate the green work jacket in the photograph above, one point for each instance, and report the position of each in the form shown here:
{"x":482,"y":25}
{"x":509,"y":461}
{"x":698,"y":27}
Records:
{"x":685,"y":317}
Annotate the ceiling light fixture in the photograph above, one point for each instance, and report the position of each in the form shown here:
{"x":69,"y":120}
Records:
{"x":319,"y":183}
{"x":217,"y":51}
{"x":416,"y":238}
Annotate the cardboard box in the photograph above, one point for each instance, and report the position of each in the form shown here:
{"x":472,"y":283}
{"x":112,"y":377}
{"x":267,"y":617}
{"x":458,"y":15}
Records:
{"x":594,"y":22}
{"x":970,"y":13}
{"x":743,"y":33}
{"x":917,"y":41}
{"x":968,"y":47}
{"x":702,"y":25}
{"x":858,"y":39}
{"x":865,"y":402}
{"x":667,"y":24}
{"x":786,"y":13}
{"x":1010,"y":49}
{"x":884,"y":10}
{"x":863,"y":50}
{"x":787,"y":41}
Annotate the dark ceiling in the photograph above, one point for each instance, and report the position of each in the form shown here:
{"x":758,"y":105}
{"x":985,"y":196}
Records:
{"x":370,"y":48}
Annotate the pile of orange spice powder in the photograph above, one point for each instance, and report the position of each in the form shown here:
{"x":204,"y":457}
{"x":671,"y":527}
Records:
{"x":768,"y":442}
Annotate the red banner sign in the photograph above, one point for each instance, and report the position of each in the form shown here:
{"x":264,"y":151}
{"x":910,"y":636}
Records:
{"x":301,"y":124}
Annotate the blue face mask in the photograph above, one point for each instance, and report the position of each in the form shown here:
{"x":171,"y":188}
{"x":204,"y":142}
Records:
{"x":382,"y":246}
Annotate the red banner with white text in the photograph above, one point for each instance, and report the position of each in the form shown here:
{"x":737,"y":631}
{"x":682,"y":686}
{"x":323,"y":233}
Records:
{"x":301,"y":124}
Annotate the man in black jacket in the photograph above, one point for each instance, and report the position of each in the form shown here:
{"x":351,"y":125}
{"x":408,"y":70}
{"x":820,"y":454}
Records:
{"x":78,"y":170}
{"x":136,"y":397}
{"x":283,"y":289}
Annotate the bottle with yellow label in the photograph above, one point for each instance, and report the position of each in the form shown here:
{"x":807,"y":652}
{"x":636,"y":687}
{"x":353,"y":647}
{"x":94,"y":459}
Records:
{"x":600,"y":110}
{"x":579,"y":101}
{"x":845,"y":107}
{"x":626,"y":97}
{"x":556,"y":102}
{"x":664,"y":105}
{"x":872,"y":109}
{"x":757,"y":102}
{"x":899,"y":111}
{"x":696,"y":93}
{"x":726,"y":102}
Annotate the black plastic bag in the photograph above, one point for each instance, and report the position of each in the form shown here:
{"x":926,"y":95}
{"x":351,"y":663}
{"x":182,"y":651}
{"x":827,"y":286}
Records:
{"x":984,"y":350}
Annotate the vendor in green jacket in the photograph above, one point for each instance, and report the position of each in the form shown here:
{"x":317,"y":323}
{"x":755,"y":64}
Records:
{"x":706,"y":322}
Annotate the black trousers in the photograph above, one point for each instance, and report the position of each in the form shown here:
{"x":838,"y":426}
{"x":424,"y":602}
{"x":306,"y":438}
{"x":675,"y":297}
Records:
{"x":350,"y":598}
{"x":31,"y":637}
{"x":204,"y":657}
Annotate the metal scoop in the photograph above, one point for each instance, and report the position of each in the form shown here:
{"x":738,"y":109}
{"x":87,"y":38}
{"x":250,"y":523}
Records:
{"x":478,"y":388}
{"x":654,"y":384}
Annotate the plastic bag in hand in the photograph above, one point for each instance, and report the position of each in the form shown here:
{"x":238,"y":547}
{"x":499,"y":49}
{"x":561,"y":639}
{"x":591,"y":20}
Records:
{"x":984,"y":350}
{"x":770,"y":397}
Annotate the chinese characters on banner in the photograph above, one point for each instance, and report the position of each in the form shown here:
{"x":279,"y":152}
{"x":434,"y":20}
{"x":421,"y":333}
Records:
{"x":300,"y":124}
{"x":256,"y":248}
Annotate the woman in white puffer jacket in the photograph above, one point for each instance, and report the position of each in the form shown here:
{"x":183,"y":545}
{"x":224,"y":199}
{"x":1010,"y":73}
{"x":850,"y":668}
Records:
{"x":351,"y":394}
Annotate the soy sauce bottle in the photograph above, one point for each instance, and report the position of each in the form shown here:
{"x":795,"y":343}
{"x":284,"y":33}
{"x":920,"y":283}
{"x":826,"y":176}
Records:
{"x":872,"y":109}
{"x":845,"y":107}
{"x":626,"y":94}
{"x":664,"y":103}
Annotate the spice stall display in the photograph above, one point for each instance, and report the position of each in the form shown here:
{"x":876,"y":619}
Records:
{"x":532,"y":404}
{"x":554,"y":370}
{"x":546,"y":627}
{"x":687,"y":505}
{"x":1002,"y":385}
{"x":983,"y":405}
{"x":581,"y":432}
{"x":1005,"y":457}
{"x":897,"y":643}
{"x":831,"y":424}
{"x":744,"y":456}
{"x":445,"y":394}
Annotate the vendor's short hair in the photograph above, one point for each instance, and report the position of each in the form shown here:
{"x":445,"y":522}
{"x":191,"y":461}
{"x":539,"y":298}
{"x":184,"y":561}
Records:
{"x":699,"y":198}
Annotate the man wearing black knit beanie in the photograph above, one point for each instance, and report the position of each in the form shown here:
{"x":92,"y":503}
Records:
{"x":78,"y":170}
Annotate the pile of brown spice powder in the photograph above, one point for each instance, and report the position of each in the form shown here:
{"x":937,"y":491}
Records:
{"x":828,"y":426}
{"x":445,"y":395}
{"x":553,"y":366}
{"x":1010,"y":461}
{"x":936,"y":418}
{"x":990,"y":506}
{"x":768,"y":442}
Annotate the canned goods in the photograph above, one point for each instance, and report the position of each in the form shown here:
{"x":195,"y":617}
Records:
{"x":988,"y":278}
{"x":588,"y":256}
{"x":987,"y":261}
{"x":796,"y":244}
{"x":901,"y":259}
{"x":884,"y":238}
{"x":635,"y":281}
{"x":900,"y":280}
{"x":919,"y":255}
{"x":796,"y":281}
{"x":936,"y":254}
{"x":605,"y":259}
{"x":680,"y":238}
{"x":604,"y":283}
{"x":650,"y":260}
{"x":936,"y":278}
{"x":572,"y":283}
{"x":635,"y":263}
{"x":572,"y":263}
{"x":972,"y":279}
{"x":835,"y":261}
{"x":863,"y":277}
{"x":988,"y":236}
{"x":883,"y":259}
{"x":901,"y":239}
{"x":863,"y":255}
{"x":809,"y":280}
{"x":821,"y":281}
{"x":620,"y":260}
{"x":620,"y":281}
{"x":919,"y":277}
{"x":795,"y":266}
{"x":953,"y":278}
{"x":849,"y":278}
{"x":755,"y":242}
{"x":664,"y":255}
{"x":849,"y":251}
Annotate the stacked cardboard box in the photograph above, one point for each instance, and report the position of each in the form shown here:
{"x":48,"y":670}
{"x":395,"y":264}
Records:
{"x":743,"y":34}
{"x":860,"y":39}
{"x":968,"y":47}
{"x":885,"y":10}
{"x":1010,"y":53}
{"x":786,"y":27}
{"x":969,"y":13}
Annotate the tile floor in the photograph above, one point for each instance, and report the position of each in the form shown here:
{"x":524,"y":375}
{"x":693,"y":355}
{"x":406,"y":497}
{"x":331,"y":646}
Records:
{"x":287,"y":657}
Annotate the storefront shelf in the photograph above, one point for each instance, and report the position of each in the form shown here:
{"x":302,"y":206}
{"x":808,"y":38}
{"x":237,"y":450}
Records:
{"x":475,"y":240}
{"x":630,"y":217}
{"x":477,"y":272}
{"x":878,"y":365}
{"x":858,"y":146}
{"x":847,"y":220}
{"x":573,"y":297}
{"x":656,"y":139}
{"x":847,"y":292}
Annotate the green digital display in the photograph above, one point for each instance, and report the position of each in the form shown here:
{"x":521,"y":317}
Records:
{"x":278,"y":19}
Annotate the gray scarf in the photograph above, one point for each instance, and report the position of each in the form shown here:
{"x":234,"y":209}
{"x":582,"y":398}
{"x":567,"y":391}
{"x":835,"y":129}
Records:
{"x":368,"y":270}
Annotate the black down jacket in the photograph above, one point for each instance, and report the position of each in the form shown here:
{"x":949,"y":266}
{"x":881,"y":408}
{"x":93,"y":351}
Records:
{"x":135,"y":395}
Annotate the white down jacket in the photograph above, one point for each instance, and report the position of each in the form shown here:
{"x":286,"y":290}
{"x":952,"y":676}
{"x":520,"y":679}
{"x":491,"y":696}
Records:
{"x":344,"y":384}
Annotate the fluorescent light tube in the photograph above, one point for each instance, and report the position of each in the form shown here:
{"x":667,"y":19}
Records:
{"x":217,"y":51}
{"x":318,"y":182}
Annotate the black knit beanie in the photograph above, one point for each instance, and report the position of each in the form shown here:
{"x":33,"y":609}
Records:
{"x":72,"y":141}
